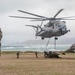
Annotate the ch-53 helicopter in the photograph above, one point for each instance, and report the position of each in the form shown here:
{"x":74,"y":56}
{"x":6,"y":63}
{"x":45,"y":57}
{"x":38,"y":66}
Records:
{"x":54,"y":28}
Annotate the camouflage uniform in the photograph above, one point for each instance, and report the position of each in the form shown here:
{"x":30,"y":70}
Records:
{"x":36,"y":54}
{"x":18,"y":53}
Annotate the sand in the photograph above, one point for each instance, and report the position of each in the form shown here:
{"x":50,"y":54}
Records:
{"x":28,"y":64}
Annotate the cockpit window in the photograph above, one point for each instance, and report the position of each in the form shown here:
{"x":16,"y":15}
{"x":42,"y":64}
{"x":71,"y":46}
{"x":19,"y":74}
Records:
{"x":63,"y":21}
{"x":58,"y":24}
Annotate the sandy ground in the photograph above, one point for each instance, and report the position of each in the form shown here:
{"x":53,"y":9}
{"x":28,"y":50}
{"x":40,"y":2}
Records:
{"x":28,"y":64}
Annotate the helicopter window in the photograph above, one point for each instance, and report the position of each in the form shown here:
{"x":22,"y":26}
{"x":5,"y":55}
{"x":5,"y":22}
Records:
{"x":58,"y":25}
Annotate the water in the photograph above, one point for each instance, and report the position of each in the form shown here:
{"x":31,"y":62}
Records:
{"x":39,"y":48}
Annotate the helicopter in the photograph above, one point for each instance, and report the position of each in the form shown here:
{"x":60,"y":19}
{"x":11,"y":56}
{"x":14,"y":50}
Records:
{"x":54,"y":28}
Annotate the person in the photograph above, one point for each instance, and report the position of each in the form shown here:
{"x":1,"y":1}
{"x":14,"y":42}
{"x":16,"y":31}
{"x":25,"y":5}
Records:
{"x":36,"y":54}
{"x":18,"y":53}
{"x":0,"y":40}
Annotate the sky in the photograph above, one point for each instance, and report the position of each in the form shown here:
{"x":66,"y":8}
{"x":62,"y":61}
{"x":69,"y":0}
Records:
{"x":14,"y":29}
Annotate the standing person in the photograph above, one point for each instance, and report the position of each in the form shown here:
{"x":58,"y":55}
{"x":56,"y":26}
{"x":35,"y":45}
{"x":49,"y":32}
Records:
{"x":36,"y":54}
{"x":0,"y":40}
{"x":18,"y":53}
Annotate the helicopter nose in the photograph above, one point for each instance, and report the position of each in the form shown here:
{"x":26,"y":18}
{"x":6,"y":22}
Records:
{"x":64,"y":32}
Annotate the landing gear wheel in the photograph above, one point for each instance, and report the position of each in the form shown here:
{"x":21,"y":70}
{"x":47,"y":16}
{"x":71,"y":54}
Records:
{"x":56,"y":38}
{"x":42,"y":38}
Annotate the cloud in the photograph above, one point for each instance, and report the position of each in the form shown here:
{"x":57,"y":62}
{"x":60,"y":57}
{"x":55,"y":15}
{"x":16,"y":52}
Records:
{"x":14,"y":30}
{"x":11,"y":5}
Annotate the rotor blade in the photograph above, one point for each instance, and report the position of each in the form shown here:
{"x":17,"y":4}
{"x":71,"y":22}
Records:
{"x":63,"y":18}
{"x":32,"y":26}
{"x":67,"y":17}
{"x":43,"y":19}
{"x":32,"y":14}
{"x":58,"y":12}
{"x":38,"y":20}
{"x":23,"y":17}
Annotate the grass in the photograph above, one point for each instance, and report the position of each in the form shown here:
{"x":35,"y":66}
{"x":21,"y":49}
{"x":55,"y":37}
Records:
{"x":28,"y":64}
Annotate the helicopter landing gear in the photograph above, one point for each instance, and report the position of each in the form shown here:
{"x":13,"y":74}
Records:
{"x":56,"y":38}
{"x":42,"y":38}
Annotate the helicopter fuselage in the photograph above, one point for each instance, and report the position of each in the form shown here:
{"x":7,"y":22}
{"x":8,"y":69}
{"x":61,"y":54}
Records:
{"x":53,"y":28}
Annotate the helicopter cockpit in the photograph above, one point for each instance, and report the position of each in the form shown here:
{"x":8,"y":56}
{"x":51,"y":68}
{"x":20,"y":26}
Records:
{"x":62,"y":26}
